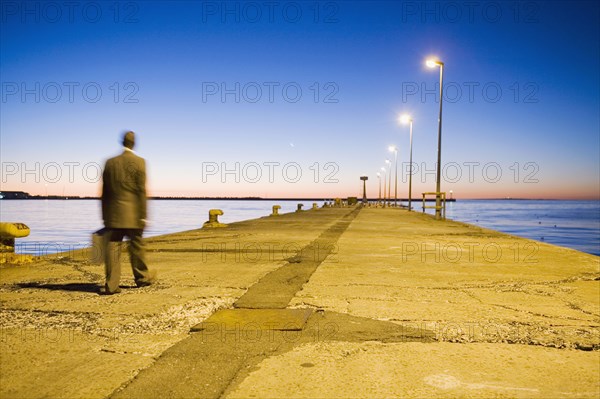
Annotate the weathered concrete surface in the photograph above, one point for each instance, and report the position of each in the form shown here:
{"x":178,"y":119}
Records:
{"x":205,"y":364}
{"x":421,"y":370}
{"x":467,"y":283}
{"x":277,"y":288}
{"x":506,"y":304}
{"x":232,"y":341}
{"x":59,"y":338}
{"x":512,"y":315}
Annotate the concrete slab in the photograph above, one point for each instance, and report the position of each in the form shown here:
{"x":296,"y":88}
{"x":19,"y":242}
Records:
{"x":417,"y":370}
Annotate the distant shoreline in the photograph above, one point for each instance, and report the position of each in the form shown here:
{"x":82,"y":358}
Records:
{"x":414,"y":199}
{"x":57,"y":197}
{"x":25,"y":196}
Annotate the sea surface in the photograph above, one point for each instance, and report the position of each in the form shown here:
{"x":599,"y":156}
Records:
{"x":572,"y":224}
{"x":62,"y":225}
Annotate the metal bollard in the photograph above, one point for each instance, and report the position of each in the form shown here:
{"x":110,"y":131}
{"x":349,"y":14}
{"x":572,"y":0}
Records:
{"x":276,"y":209}
{"x":8,"y":233}
{"x":299,"y":208}
{"x":213,"y":219}
{"x":315,"y":206}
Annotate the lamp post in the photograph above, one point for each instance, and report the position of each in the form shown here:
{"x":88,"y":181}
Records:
{"x":408,"y":119}
{"x":383,"y":170}
{"x":379,"y":178}
{"x":394,"y":149}
{"x":438,"y":208}
{"x":389,"y":193}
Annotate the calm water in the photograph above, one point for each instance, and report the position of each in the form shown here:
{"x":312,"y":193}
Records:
{"x":573,"y":224}
{"x":60,"y":225}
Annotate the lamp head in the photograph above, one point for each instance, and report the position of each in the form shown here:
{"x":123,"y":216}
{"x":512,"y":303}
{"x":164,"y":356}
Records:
{"x":432,"y":63}
{"x":392,"y":148}
{"x":405,"y":118}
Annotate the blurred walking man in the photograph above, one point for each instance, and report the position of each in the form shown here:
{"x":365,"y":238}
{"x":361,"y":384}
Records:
{"x":124,"y":214}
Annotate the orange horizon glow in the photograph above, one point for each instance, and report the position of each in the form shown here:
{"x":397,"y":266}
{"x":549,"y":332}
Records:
{"x":564,"y":192}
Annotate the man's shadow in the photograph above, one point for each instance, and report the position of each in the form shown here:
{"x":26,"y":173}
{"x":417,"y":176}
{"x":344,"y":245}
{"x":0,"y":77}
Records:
{"x":73,"y":287}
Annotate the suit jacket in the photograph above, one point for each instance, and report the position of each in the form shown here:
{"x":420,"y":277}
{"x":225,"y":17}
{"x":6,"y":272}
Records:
{"x":124,"y":192}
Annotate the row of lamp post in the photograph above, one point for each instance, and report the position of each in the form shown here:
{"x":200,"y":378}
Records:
{"x":407,"y":119}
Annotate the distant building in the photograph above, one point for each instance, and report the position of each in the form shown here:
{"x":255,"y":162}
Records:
{"x":14,"y":195}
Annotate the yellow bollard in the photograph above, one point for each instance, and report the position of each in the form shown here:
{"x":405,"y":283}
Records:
{"x":213,"y":219}
{"x":276,"y":209}
{"x":8,"y":232}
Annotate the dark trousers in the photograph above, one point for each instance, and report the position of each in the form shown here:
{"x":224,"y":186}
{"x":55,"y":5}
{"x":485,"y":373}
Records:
{"x":112,"y":257}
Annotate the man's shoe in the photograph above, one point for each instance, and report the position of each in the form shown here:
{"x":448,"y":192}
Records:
{"x":105,"y":291}
{"x":149,"y":281}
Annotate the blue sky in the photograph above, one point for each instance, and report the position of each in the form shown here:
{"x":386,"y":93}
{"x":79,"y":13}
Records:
{"x":521,"y":113}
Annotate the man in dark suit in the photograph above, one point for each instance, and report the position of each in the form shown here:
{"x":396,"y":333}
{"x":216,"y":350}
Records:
{"x":124,"y":214}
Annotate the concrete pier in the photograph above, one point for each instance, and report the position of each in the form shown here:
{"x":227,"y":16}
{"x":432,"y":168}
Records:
{"x":335,"y":302}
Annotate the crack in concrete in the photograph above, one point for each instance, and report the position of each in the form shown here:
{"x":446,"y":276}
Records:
{"x":277,"y":288}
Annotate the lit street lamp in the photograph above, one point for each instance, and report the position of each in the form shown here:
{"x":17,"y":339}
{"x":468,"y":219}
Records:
{"x":394,"y":149}
{"x":438,"y":208}
{"x":408,"y":119}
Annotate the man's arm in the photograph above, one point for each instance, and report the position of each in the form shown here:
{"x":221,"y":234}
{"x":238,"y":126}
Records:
{"x":142,"y":192}
{"x":105,"y":191}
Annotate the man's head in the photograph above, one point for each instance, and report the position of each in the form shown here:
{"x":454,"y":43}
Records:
{"x":129,"y":139}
